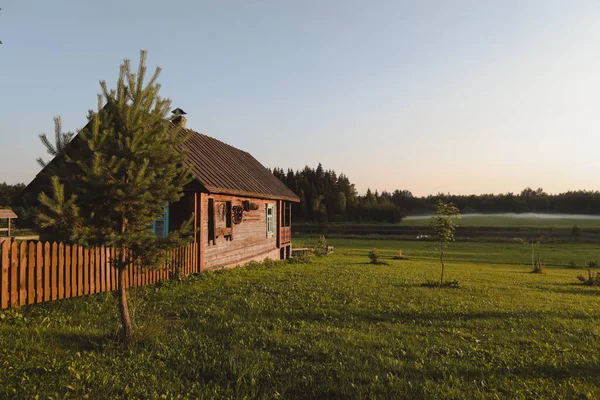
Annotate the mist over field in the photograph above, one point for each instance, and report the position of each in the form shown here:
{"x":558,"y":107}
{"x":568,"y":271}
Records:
{"x":521,"y":215}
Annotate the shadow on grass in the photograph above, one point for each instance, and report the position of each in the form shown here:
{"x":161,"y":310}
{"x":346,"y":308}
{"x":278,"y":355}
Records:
{"x":557,"y":372}
{"x":577,"y":288}
{"x":79,"y":341}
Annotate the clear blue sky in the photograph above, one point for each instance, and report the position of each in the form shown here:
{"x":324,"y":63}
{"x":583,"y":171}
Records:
{"x":430,"y":96}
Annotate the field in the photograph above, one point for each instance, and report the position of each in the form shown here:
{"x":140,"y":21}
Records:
{"x":336,"y":327}
{"x":516,"y":220}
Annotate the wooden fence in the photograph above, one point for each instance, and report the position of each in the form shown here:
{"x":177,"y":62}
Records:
{"x":35,"y":272}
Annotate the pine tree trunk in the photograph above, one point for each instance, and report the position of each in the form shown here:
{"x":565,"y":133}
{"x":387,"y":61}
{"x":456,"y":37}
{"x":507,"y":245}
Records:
{"x":442,"y":261}
{"x":124,"y":310}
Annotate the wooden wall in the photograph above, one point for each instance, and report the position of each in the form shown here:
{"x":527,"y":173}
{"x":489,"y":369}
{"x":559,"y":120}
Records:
{"x":249,"y":240}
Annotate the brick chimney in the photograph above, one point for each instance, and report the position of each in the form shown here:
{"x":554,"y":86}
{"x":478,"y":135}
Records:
{"x":178,"y":117}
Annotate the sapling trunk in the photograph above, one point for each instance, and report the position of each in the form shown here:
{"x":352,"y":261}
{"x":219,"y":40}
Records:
{"x":124,"y":309}
{"x":442,"y":261}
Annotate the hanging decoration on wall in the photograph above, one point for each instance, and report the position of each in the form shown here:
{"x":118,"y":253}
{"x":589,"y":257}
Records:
{"x":250,"y":206}
{"x":237,"y":214}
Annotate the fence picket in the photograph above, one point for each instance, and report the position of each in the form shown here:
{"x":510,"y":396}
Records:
{"x":92,"y":271}
{"x":39,"y":272}
{"x":14,"y":269}
{"x":74,"y":264}
{"x":61,"y":271}
{"x":86,"y":271}
{"x":80,"y":271}
{"x":68,"y":271}
{"x":31,"y":274}
{"x":23,"y":274}
{"x":97,"y":284}
{"x":54,"y":272}
{"x":5,"y":267}
{"x":46,"y":270}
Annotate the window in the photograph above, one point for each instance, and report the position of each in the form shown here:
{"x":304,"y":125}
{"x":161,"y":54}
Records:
{"x":287,"y":213}
{"x":270,"y":220}
{"x":160,"y":227}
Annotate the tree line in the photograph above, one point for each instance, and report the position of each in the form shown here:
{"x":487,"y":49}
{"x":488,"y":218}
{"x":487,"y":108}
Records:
{"x":328,"y":197}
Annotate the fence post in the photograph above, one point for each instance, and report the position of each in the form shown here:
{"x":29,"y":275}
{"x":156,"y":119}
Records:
{"x":5,"y":268}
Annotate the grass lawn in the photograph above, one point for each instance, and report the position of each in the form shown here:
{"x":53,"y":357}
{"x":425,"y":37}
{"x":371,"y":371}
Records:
{"x":336,"y":327}
{"x":512,"y":221}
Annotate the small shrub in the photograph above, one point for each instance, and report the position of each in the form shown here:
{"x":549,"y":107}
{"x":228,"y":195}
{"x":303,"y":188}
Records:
{"x":374,"y":256}
{"x":538,"y":267}
{"x":400,"y":256}
{"x":304,"y":258}
{"x":592,"y":264}
{"x":591,"y":279}
{"x":572,"y":264}
{"x":445,"y":285}
{"x":321,"y":246}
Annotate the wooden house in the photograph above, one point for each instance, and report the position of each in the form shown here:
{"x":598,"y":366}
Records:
{"x":242,"y":211}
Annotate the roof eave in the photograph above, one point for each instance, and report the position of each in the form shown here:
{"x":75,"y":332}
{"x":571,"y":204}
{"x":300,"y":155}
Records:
{"x":241,"y":193}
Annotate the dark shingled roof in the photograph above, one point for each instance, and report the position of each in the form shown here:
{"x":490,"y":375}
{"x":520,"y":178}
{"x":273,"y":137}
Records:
{"x":222,"y":168}
{"x":218,"y":167}
{"x":6,"y":213}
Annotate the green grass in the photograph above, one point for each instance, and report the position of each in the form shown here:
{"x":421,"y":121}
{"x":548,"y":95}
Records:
{"x":337,"y":327}
{"x":510,"y":221}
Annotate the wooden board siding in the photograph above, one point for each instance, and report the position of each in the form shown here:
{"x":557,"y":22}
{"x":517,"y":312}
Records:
{"x":250,"y":241}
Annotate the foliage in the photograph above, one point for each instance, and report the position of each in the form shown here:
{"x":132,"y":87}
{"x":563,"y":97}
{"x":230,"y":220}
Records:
{"x":325,"y":196}
{"x":443,"y":227}
{"x":572,"y":264}
{"x":592,"y":264}
{"x":533,"y":244}
{"x":538,"y":266}
{"x":333,"y":328}
{"x":61,"y":140}
{"x":321,"y":246}
{"x":118,"y":179}
{"x":576,"y":231}
{"x":591,"y":279}
{"x":374,"y":256}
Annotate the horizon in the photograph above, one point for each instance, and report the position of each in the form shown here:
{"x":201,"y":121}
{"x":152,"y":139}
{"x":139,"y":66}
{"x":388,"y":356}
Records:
{"x":462,"y":98}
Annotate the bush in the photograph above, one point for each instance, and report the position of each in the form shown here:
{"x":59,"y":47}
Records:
{"x":538,"y":267}
{"x":304,"y":258}
{"x":591,"y":279}
{"x":400,"y":256}
{"x":321,"y":246}
{"x":374,"y":256}
{"x":572,"y":264}
{"x":592,"y":264}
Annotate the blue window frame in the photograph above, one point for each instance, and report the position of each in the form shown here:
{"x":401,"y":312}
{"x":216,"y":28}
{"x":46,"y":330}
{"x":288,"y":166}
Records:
{"x":160,"y":227}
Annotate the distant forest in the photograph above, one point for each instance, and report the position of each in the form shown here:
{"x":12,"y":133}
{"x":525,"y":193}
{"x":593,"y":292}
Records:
{"x":328,"y":197}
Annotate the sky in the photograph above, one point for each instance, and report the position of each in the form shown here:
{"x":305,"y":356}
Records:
{"x":462,"y":97}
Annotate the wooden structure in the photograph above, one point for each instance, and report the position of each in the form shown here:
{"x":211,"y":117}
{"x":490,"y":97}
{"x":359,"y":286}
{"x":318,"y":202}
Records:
{"x":36,"y":272}
{"x":242,"y":212}
{"x":8,"y":215}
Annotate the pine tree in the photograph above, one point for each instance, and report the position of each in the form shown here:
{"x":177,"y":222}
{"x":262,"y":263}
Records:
{"x":61,"y":140}
{"x":128,"y":168}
